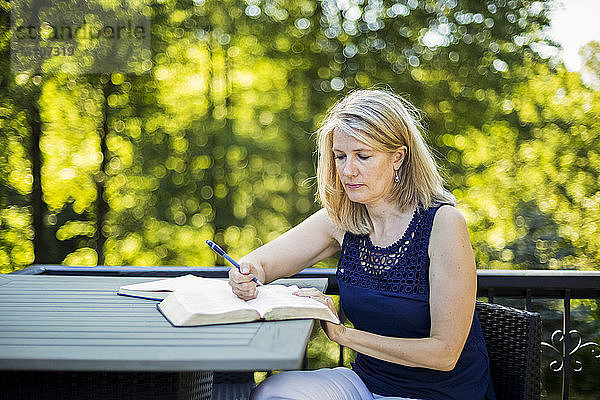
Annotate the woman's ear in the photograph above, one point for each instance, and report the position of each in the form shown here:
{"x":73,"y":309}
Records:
{"x":399,"y":156}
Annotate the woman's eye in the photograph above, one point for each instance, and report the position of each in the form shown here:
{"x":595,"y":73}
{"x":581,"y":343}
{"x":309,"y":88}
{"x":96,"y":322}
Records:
{"x":364,"y":157}
{"x":339,"y":156}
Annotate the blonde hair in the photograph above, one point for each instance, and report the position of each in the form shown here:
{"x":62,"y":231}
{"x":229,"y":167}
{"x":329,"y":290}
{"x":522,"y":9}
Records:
{"x":386,"y":122}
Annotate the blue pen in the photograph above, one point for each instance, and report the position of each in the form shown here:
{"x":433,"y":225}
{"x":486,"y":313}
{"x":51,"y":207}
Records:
{"x":215,"y":247}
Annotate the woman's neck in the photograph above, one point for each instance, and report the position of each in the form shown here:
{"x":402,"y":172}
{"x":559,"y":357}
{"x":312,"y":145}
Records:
{"x":389,"y":222}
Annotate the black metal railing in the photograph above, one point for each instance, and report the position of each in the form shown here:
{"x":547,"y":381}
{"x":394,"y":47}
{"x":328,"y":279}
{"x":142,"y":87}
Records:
{"x":523,"y":288}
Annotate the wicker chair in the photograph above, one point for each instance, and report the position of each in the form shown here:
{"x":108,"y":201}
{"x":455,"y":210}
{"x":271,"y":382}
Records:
{"x":235,"y":385}
{"x":513,"y":340}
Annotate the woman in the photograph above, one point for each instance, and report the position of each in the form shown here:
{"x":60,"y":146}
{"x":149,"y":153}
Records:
{"x":406,"y":273}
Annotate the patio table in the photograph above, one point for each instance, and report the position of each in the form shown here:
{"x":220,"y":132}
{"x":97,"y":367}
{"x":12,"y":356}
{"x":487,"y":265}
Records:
{"x":52,"y":324}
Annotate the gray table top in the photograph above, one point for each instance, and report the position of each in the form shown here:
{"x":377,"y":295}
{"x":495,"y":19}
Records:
{"x":79,"y":323}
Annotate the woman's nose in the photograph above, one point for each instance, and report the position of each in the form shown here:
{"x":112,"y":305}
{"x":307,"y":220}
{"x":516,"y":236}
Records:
{"x":350,"y":168}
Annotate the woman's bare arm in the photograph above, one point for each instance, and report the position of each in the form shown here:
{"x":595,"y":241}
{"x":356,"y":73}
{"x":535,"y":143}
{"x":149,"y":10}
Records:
{"x":304,"y":245}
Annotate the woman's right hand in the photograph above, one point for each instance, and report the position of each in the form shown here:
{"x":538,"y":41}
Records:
{"x":241,"y":281}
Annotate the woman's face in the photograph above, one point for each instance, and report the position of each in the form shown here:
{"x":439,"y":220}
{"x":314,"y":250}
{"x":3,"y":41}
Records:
{"x":366,"y":174}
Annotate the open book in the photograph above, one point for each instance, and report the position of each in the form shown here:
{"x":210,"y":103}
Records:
{"x":190,"y":301}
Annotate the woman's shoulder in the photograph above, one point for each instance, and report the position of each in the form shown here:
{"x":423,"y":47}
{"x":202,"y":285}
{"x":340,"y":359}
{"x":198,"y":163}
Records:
{"x":335,"y":231}
{"x":447,"y":213}
{"x":437,"y":213}
{"x":448,"y":222}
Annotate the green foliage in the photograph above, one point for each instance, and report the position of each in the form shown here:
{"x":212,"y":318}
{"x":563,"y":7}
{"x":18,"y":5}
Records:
{"x":531,"y":193}
{"x":15,"y":220}
{"x":215,"y":140}
{"x":591,"y":62}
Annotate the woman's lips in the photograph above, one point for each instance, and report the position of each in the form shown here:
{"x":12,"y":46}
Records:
{"x":354,"y":186}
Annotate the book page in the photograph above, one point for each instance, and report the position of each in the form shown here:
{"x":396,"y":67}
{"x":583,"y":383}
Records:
{"x":279,"y":302}
{"x":211,"y":305}
{"x":211,"y":300}
{"x":186,"y":282}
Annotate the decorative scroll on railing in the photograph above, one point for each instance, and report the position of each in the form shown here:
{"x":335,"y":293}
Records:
{"x":556,"y":343}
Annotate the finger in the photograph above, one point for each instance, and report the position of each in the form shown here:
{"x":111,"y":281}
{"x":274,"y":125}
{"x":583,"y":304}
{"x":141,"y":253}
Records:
{"x":241,"y":282}
{"x":247,"y":287}
{"x":245,"y":296}
{"x":307,"y":292}
{"x":246,"y":268}
{"x":311,"y":295}
{"x":315,"y":295}
{"x":238,"y":277}
{"x":245,"y":292}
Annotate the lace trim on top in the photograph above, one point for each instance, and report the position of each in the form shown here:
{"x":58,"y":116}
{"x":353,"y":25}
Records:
{"x":400,"y":268}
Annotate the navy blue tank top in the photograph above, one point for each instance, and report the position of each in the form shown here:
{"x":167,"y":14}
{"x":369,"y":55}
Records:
{"x":385,"y":290}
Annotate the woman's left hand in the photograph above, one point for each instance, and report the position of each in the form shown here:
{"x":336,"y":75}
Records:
{"x":333,"y":331}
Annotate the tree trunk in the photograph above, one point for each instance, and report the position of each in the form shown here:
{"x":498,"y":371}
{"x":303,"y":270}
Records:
{"x":37,"y":203}
{"x":101,"y":204}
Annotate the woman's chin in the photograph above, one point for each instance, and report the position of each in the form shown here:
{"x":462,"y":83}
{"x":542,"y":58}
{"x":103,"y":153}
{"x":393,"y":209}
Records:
{"x":357,"y":199}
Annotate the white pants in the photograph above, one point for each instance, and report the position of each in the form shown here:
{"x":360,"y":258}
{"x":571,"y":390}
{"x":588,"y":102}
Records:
{"x":338,"y":383}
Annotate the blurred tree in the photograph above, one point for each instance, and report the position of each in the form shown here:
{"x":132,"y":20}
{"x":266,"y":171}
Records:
{"x":591,"y":62}
{"x":215,"y":140}
{"x":531,"y":192}
{"x":19,"y":161}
